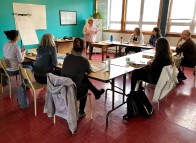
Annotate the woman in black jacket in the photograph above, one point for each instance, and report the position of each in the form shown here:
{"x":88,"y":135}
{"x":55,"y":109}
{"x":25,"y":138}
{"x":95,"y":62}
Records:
{"x":156,"y":34}
{"x":46,"y":58}
{"x":151,"y":73}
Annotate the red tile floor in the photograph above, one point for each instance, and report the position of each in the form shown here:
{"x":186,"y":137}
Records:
{"x":175,"y":122}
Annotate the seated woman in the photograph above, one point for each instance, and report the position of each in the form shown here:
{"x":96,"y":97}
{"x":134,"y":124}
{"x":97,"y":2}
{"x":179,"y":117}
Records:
{"x":156,"y":34}
{"x":136,"y":38}
{"x":75,"y":66}
{"x":151,"y":73}
{"x":46,"y":58}
{"x":14,"y":54}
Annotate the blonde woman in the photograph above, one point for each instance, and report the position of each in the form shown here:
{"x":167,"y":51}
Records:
{"x":136,"y":38}
{"x":90,"y":31}
{"x":46,"y":58}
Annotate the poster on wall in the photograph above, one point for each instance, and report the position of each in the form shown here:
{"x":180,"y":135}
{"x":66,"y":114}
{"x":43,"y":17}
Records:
{"x":68,"y":17}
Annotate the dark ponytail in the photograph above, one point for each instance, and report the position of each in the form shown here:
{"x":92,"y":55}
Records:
{"x":78,"y":45}
{"x":11,"y":34}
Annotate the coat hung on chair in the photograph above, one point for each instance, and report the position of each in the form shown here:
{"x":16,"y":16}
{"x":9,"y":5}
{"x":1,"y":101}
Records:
{"x":61,"y":99}
{"x":167,"y":82}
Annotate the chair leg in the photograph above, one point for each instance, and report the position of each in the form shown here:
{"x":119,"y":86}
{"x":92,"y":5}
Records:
{"x":90,"y":103}
{"x":158,"y":105}
{"x":1,"y":83}
{"x":10,"y":89}
{"x":54,"y":119}
{"x":35,"y":102}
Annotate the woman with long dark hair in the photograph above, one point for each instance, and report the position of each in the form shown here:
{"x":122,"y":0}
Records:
{"x":151,"y":73}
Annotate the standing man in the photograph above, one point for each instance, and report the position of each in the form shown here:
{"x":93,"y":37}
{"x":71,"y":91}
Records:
{"x":188,"y":48}
{"x":90,"y":30}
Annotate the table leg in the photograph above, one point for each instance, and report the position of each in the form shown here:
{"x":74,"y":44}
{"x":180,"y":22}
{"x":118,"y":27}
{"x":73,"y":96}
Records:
{"x":113,"y":91}
{"x":124,"y":87}
{"x":102,"y":52}
{"x":90,"y":53}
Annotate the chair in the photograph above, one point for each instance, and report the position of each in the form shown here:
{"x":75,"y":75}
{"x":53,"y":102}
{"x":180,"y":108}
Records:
{"x":27,"y":75}
{"x":61,"y":100}
{"x":4,"y":65}
{"x":166,"y":83}
{"x":178,"y":59}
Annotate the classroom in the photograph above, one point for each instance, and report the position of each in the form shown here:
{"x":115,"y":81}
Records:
{"x":98,"y":71}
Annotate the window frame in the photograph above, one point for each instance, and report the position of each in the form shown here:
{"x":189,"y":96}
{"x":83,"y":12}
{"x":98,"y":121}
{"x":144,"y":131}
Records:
{"x":192,"y":24}
{"x":123,"y":19}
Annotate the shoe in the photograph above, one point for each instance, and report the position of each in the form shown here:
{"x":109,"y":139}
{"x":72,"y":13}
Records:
{"x":126,"y":117}
{"x":81,"y":114}
{"x":99,"y":93}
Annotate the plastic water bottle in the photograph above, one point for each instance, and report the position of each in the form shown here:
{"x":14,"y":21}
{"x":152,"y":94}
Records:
{"x":121,"y":40}
{"x":107,"y":63}
{"x":111,"y":38}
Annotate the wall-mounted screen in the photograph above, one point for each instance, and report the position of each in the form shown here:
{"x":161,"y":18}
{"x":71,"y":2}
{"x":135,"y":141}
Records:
{"x":68,"y":17}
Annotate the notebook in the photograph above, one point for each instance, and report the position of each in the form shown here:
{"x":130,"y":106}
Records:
{"x":96,"y":68}
{"x":138,"y":63}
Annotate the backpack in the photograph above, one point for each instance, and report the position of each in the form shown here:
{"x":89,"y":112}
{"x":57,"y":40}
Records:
{"x":181,"y":75}
{"x":22,"y":98}
{"x":138,"y":104}
{"x":144,"y":106}
{"x":132,"y":108}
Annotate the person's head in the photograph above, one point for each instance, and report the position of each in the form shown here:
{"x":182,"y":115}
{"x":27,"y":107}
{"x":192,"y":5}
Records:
{"x":47,"y":41}
{"x":78,"y":45}
{"x":137,"y":31}
{"x":163,"y":49}
{"x":186,"y":34}
{"x":90,"y":21}
{"x":156,"y":32}
{"x":12,"y":35}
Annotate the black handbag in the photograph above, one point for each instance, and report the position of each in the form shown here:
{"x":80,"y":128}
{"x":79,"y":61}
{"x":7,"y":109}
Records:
{"x":144,"y":106}
{"x":132,"y":109}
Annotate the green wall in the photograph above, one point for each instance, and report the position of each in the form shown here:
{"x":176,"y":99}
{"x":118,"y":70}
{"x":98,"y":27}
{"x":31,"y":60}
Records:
{"x":84,"y":10}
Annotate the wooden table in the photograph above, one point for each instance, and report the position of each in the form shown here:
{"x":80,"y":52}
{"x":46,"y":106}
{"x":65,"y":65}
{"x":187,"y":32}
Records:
{"x":117,"y":69}
{"x":63,"y":46}
{"x":104,"y":45}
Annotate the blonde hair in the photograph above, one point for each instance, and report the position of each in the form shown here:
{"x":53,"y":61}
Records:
{"x":138,"y":31}
{"x":91,"y":19}
{"x":47,"y":41}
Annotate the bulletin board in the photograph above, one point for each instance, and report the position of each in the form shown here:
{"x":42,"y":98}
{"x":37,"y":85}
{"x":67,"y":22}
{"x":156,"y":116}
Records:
{"x":68,"y":17}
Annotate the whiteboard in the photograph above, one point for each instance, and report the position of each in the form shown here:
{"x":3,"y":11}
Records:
{"x":37,"y":12}
{"x":26,"y":29}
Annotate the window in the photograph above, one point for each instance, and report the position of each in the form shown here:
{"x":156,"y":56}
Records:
{"x":142,"y":13}
{"x":182,"y":16}
{"x":133,"y":13}
{"x":115,"y":14}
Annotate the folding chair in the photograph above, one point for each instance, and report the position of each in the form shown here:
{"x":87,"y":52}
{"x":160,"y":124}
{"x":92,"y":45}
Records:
{"x":57,"y":103}
{"x":27,"y":75}
{"x":4,"y":64}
